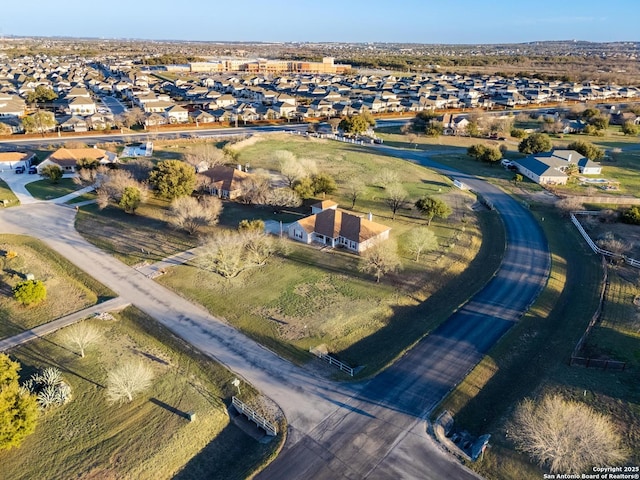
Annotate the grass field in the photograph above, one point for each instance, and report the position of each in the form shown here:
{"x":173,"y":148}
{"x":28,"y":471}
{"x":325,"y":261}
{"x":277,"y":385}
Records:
{"x":533,"y":359}
{"x":7,"y":194}
{"x":149,"y":438}
{"x":45,"y":190}
{"x":68,"y":288}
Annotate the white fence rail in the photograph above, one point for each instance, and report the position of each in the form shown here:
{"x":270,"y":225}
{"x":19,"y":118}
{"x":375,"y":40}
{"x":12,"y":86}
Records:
{"x":628,"y":260}
{"x":251,"y":414}
{"x":333,"y":361}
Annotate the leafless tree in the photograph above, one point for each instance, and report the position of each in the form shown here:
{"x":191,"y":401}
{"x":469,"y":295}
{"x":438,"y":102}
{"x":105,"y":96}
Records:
{"x":396,"y":198}
{"x":333,"y":123}
{"x":569,"y":204}
{"x":191,"y":214}
{"x":132,"y":117}
{"x":385,"y":178}
{"x":355,"y":188}
{"x":380,"y":260}
{"x":124,"y":382}
{"x":140,"y":168}
{"x":81,"y":336}
{"x":290,"y":167}
{"x":205,"y":156}
{"x":111,"y":185}
{"x":615,"y":245}
{"x":564,"y":435}
{"x":89,"y":176}
{"x":283,"y":197}
{"x":420,"y":240}
{"x":255,"y":189}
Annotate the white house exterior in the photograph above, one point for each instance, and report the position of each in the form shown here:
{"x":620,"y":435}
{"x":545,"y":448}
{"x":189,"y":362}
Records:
{"x":11,"y":160}
{"x":549,"y":168}
{"x":337,"y":228}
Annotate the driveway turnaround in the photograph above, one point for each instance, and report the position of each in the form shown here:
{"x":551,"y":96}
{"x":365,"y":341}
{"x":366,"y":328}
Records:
{"x":373,"y":430}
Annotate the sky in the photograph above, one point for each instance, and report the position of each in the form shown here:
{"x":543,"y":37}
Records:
{"x":407,"y":21}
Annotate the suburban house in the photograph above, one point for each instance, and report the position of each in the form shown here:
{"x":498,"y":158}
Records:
{"x":549,"y":168}
{"x":82,"y":106}
{"x":67,"y":158}
{"x":225,"y":182}
{"x":337,"y":228}
{"x":11,"y":160}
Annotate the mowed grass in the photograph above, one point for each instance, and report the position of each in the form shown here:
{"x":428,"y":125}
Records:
{"x":45,"y":190}
{"x":149,"y":438}
{"x":533,"y":359}
{"x":7,"y":194}
{"x":68,"y":288}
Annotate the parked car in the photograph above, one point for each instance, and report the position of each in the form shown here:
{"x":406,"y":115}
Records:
{"x":20,"y":169}
{"x":32,"y":170}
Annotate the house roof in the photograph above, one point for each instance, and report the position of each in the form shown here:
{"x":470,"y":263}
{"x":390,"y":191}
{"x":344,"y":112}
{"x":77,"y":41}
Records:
{"x":324,"y":204}
{"x":541,"y":166}
{"x":7,"y":157}
{"x":338,"y":223}
{"x":69,"y":156}
{"x":226,"y":178}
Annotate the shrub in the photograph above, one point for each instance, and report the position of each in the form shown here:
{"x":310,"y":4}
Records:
{"x":632,"y":216}
{"x":30,"y":292}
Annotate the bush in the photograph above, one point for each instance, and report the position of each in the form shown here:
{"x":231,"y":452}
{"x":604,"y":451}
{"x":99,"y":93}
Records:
{"x":535,"y":143}
{"x":30,"y":292}
{"x":518,"y":133}
{"x":631,"y":216}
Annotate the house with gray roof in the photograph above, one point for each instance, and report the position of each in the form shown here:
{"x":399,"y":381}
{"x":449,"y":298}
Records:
{"x":549,"y":168}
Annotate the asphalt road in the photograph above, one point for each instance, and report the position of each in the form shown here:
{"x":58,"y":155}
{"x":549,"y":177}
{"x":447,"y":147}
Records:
{"x":373,"y":430}
{"x":382,"y":433}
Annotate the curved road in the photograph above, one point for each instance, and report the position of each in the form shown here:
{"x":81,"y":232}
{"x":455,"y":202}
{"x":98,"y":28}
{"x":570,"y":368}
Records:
{"x":370,"y":430}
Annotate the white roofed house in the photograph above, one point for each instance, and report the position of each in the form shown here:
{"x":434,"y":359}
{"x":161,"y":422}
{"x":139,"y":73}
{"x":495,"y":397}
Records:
{"x":337,"y":228}
{"x":177,"y":114}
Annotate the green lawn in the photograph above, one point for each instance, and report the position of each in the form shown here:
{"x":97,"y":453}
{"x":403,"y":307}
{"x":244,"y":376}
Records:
{"x":68,"y":288}
{"x":7,"y":194}
{"x":533,"y":359}
{"x":148,"y":438}
{"x":45,"y":190}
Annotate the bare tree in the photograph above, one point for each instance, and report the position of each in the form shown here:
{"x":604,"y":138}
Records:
{"x":396,"y":198}
{"x":615,"y":245}
{"x":290,"y":167}
{"x":419,"y":240}
{"x":89,"y":176}
{"x":355,"y":188}
{"x":140,"y":168}
{"x":385,"y":178}
{"x":283,"y":197}
{"x":191,"y":214}
{"x":380,"y":260}
{"x":124,"y":382}
{"x":565,"y":436}
{"x":111,"y":185}
{"x":333,"y":123}
{"x":81,"y":336}
{"x":205,"y":156}
{"x":255,"y":189}
{"x":569,"y":204}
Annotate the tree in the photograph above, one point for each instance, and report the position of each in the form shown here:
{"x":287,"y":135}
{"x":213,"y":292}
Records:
{"x":132,"y":117}
{"x":569,"y":204}
{"x":630,"y":128}
{"x":39,"y":122}
{"x":173,"y":179}
{"x":476,"y":151}
{"x":30,"y":292}
{"x":304,"y":188}
{"x":251,"y":226}
{"x":396,"y":198}
{"x":535,"y":143}
{"x":52,"y":172}
{"x":131,"y":199}
{"x":380,"y":259}
{"x":518,"y":133}
{"x":473,"y":128}
{"x":434,"y":129}
{"x":355,"y":125}
{"x":334,"y":123}
{"x":283,"y":197}
{"x":205,"y":156}
{"x":124,"y":382}
{"x":41,"y":94}
{"x":587,"y":149}
{"x":323,"y":183}
{"x":191,"y":214}
{"x":631,"y":215}
{"x":386,"y":177}
{"x":564,"y":435}
{"x":491,"y":155}
{"x":290,"y":167}
{"x":111,"y":186}
{"x":518,"y":178}
{"x":5,"y":129}
{"x":87,"y":164}
{"x":81,"y":336}
{"x":18,"y":408}
{"x":355,"y":188}
{"x":432,"y":207}
{"x":599,"y":122}
{"x":419,"y":240}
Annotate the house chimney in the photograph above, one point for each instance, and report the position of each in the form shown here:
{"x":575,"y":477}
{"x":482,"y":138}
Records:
{"x":239,"y":167}
{"x":569,"y":159}
{"x":370,"y":217}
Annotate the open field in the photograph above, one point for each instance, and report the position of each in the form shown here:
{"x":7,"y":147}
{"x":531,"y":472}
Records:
{"x":133,"y":239}
{"x":45,"y":190}
{"x":68,"y":288}
{"x":533,"y":359}
{"x":7,"y":194}
{"x":149,"y":438}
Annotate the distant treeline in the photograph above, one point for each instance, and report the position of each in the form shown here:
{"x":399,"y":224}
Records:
{"x":171,"y":59}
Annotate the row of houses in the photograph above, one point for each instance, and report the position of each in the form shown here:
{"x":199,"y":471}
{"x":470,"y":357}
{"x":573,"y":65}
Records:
{"x":243,"y":97}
